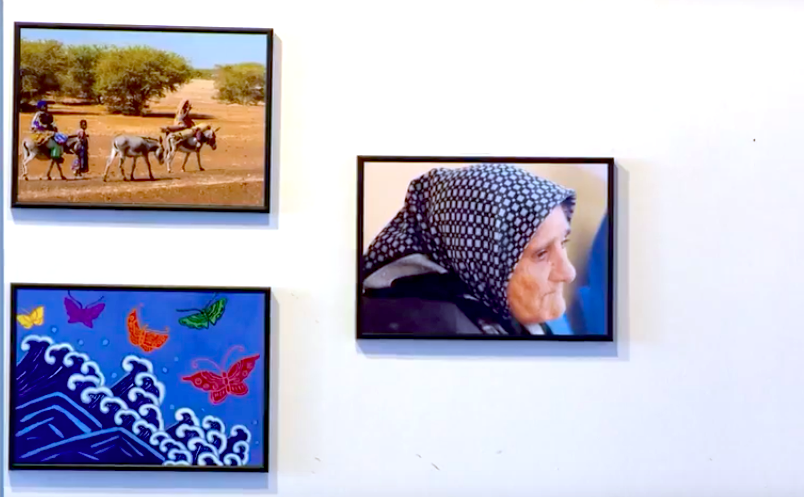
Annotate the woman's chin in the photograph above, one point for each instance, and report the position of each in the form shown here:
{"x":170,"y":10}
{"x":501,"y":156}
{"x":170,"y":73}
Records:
{"x":554,"y":310}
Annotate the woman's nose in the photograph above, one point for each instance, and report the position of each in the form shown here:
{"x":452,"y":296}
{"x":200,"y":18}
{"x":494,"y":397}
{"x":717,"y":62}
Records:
{"x":563,"y":270}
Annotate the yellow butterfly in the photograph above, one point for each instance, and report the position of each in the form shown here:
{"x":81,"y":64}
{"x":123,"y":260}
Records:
{"x":35,"y":318}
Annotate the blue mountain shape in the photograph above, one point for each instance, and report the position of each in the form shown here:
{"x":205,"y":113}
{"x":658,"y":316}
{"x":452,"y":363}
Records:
{"x":59,"y":402}
{"x":50,"y":419}
{"x":111,"y":446}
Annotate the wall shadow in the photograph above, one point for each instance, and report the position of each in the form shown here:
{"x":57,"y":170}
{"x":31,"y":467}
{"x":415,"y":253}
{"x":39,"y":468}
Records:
{"x":134,"y":482}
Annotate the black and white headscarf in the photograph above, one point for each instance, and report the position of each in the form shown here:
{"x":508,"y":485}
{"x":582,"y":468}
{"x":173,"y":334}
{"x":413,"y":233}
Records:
{"x":474,"y":221}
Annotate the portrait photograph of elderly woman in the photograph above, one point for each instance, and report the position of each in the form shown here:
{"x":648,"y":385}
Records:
{"x":513,"y":248}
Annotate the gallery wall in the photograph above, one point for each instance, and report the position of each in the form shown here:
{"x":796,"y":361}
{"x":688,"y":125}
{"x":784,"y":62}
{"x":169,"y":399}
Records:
{"x":700,"y":102}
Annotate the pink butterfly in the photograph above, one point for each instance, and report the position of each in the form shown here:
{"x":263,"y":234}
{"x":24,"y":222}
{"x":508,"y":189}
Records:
{"x":77,"y":313}
{"x":223,"y":383}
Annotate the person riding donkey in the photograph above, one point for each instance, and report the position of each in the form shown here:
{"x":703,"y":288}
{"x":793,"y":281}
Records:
{"x":183,"y":127}
{"x":42,"y":124}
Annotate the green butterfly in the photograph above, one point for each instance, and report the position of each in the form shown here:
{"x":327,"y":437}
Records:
{"x":203,"y":318}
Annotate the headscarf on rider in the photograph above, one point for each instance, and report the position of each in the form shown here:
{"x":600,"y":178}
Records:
{"x":183,"y":113}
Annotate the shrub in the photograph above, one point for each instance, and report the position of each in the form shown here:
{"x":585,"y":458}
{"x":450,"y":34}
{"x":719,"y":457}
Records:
{"x":240,"y":83}
{"x":80,"y":79}
{"x":41,"y":65}
{"x":128,"y":78}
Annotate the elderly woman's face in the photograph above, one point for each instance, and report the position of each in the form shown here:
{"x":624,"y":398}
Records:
{"x":536,"y":289}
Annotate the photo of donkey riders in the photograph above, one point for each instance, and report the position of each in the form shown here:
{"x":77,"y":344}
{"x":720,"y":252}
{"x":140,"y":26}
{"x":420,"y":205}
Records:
{"x":138,"y":377}
{"x":488,"y":249}
{"x":142,"y":117}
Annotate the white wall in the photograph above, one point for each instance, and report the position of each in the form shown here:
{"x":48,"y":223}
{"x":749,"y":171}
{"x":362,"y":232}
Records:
{"x":700,"y":102}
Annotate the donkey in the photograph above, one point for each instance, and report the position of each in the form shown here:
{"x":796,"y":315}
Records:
{"x":187,"y":145}
{"x":31,"y":151}
{"x":133,"y":146}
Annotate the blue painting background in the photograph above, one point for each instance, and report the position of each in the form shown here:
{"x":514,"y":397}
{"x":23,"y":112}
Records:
{"x":243,"y":323}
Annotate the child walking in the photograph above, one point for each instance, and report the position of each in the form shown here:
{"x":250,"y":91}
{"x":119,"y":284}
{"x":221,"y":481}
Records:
{"x":81,"y":162}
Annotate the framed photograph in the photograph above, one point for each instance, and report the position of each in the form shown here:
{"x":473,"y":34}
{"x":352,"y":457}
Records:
{"x":142,"y":117}
{"x":501,"y":248}
{"x":139,"y":378}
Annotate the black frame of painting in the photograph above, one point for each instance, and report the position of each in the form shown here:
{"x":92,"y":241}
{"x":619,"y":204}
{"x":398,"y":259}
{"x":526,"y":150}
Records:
{"x":262,"y":209}
{"x":266,"y":291}
{"x":611,"y":194}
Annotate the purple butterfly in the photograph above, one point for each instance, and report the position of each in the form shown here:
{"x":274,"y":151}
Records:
{"x":77,"y":313}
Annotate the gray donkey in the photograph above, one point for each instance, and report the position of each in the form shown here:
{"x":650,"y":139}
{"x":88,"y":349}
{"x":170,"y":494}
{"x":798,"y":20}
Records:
{"x":187,"y":145}
{"x":125,"y":146}
{"x":31,"y":151}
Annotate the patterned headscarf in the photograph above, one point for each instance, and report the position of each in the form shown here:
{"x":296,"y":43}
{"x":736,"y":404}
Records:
{"x":474,"y":221}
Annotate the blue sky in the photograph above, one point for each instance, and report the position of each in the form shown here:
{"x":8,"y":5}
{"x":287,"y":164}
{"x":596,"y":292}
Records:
{"x":108,"y":343}
{"x":203,"y":50}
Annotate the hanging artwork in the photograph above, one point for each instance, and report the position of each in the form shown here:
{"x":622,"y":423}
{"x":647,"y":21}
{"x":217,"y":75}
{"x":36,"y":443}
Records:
{"x":500,"y":248}
{"x":142,"y":117}
{"x":115,"y":377}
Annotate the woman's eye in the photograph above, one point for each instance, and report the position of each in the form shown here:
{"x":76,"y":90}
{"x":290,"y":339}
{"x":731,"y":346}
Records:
{"x":542,"y":255}
{"x":565,"y":242}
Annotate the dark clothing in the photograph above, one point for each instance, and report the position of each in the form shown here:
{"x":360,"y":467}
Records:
{"x":42,"y":121}
{"x":81,"y":162}
{"x":431,"y":304}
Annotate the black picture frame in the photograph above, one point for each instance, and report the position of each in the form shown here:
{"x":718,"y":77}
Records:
{"x":610,"y":164}
{"x":265,"y":452}
{"x":15,"y":148}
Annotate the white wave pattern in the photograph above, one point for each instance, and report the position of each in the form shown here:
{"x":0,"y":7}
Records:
{"x":209,"y":459}
{"x":25,"y":345}
{"x":50,"y":358}
{"x":129,"y":360}
{"x":145,"y":409}
{"x":75,"y":379}
{"x":132,"y":395}
{"x":241,"y":449}
{"x":139,"y":380}
{"x":140,"y":424}
{"x":189,"y":412}
{"x":118,"y":416}
{"x":174,"y":453}
{"x":158,"y":437}
{"x":196,"y":442}
{"x":203,"y":435}
{"x":182,"y":430}
{"x":69,"y":359}
{"x":215,"y":434}
{"x":165,"y":445}
{"x":107,"y":400}
{"x":208,"y":420}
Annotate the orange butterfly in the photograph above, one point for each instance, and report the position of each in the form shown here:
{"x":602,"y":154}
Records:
{"x":144,"y":337}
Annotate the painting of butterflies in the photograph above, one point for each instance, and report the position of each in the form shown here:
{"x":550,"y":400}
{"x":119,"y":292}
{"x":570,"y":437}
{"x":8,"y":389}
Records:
{"x":222,"y":383}
{"x":117,"y":351}
{"x":77,"y":313}
{"x":33,"y":318}
{"x":206,"y":317}
{"x":143,"y":337}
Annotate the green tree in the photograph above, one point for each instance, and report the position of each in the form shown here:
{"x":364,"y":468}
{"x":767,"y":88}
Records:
{"x":42,"y":66}
{"x":128,"y":78}
{"x":240,"y":83}
{"x":81,"y":75}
